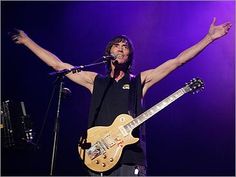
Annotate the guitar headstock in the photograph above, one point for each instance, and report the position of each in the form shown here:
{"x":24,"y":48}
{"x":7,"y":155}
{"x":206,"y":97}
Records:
{"x":194,"y":86}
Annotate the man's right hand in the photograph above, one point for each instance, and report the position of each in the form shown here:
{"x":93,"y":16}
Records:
{"x":20,"y":38}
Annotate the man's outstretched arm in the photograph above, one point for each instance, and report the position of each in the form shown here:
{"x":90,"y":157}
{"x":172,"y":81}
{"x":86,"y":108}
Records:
{"x":84,"y":78}
{"x":152,"y":76}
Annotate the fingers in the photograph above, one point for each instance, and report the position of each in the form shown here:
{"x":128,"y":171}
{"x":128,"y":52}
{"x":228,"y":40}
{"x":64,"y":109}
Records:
{"x":18,"y":36}
{"x":213,"y":22}
{"x":14,"y":32}
{"x":15,"y":38}
{"x":227,"y":26}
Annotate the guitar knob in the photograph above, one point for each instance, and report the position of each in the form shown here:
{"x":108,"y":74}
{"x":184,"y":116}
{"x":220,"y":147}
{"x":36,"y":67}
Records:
{"x":97,"y":161}
{"x":104,"y":156}
{"x":111,"y":159}
{"x":103,"y":164}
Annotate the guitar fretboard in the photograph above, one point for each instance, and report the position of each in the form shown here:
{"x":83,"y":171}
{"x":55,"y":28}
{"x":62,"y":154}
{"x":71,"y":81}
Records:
{"x":155,"y":109}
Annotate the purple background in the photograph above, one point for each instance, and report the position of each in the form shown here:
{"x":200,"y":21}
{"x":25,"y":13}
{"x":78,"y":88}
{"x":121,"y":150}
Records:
{"x":192,"y":136}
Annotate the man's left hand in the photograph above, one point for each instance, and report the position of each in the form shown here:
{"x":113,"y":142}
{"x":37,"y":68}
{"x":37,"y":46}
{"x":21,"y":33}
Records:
{"x":216,"y":32}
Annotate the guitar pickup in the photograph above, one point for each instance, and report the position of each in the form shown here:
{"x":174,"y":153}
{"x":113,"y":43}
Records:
{"x":109,"y":141}
{"x":123,"y":131}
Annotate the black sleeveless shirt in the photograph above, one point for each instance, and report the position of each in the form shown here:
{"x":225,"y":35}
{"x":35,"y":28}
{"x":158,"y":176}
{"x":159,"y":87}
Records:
{"x":110,"y":99}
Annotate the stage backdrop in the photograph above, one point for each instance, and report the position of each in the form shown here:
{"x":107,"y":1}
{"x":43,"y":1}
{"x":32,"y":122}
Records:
{"x":192,"y":136}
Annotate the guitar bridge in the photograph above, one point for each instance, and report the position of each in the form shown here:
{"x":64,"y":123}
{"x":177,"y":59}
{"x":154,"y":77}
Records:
{"x":96,"y":150}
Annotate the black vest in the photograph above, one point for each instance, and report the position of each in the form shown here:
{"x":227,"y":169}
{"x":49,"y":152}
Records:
{"x":110,"y":99}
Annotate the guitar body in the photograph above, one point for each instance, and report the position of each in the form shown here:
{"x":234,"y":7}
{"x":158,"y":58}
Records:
{"x":107,"y":143}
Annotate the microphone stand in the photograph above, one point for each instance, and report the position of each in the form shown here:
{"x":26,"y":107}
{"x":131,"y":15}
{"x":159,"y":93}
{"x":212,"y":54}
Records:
{"x":60,"y":76}
{"x":56,"y":126}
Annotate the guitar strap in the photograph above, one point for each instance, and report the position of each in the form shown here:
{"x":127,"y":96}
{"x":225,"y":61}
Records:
{"x":133,"y":110}
{"x":132,"y":100}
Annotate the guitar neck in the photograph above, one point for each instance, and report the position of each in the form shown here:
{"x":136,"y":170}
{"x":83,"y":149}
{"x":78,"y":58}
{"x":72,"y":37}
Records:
{"x":155,"y":109}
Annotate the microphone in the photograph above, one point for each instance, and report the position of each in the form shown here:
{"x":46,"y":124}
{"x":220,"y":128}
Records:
{"x":109,"y":57}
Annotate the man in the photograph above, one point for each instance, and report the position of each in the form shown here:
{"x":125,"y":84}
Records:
{"x":120,"y":89}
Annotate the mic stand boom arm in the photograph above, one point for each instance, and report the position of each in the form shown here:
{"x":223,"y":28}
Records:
{"x":75,"y":69}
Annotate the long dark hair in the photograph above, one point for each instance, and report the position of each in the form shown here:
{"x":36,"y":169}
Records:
{"x":117,"y":39}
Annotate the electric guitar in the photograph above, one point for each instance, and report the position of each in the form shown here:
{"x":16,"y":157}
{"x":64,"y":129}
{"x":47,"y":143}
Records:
{"x":103,"y":145}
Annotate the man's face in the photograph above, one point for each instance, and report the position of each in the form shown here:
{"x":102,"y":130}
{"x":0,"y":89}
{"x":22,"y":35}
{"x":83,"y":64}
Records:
{"x":121,"y":51}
